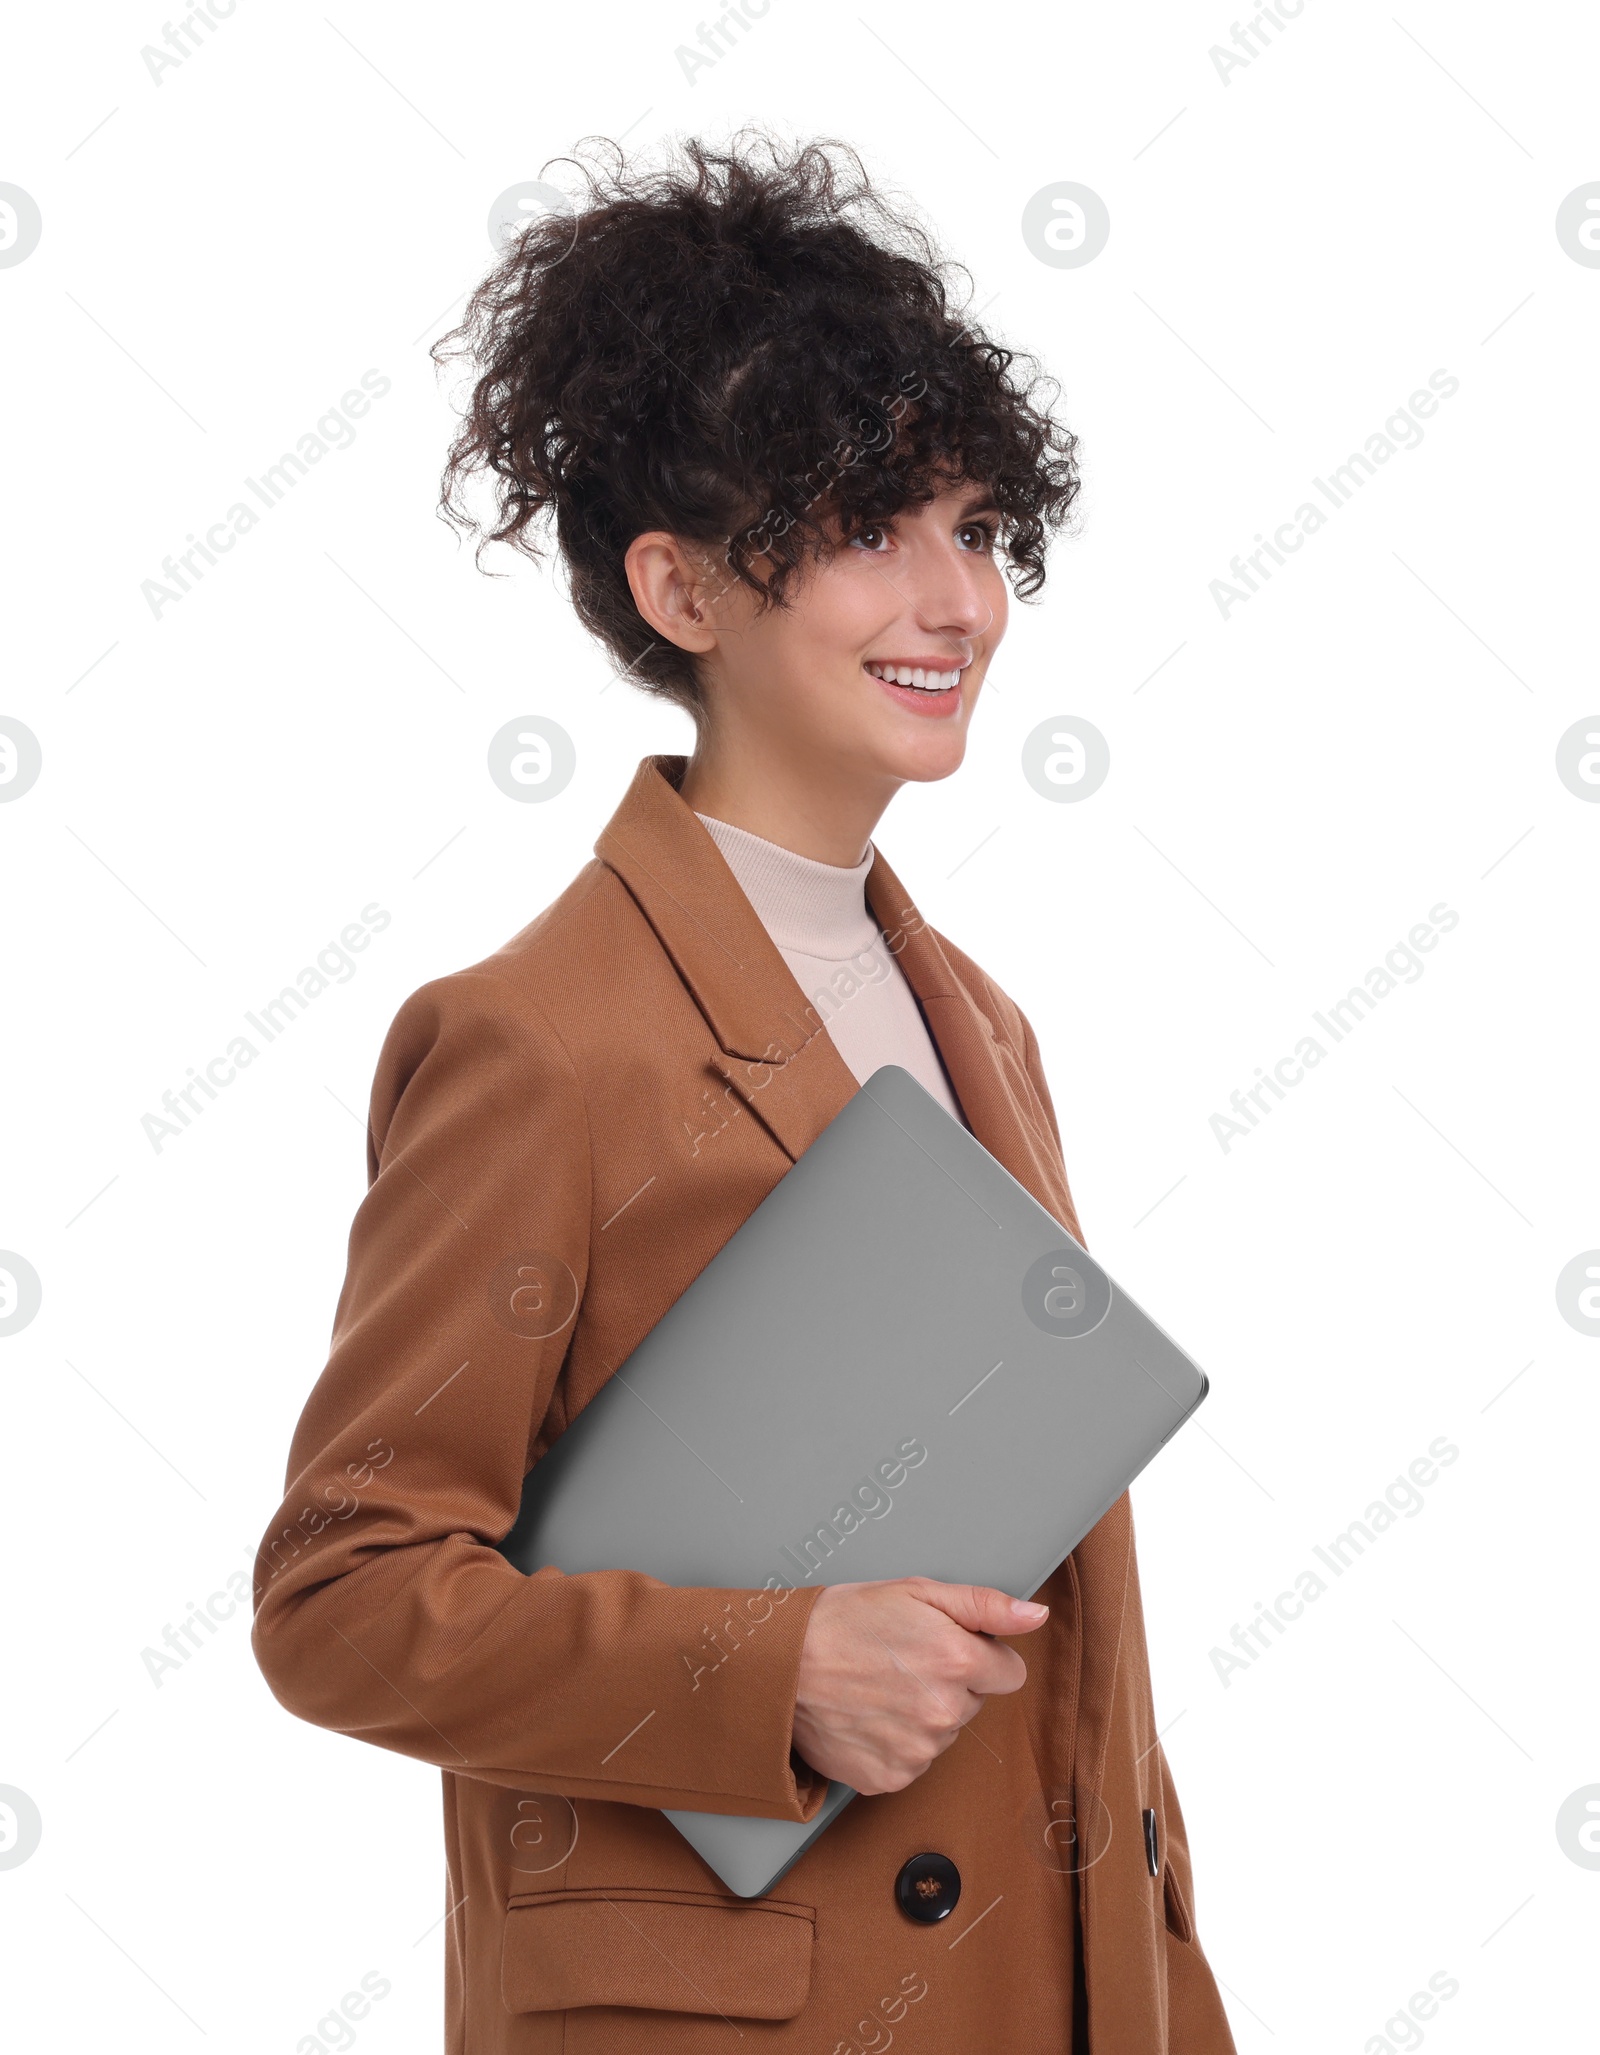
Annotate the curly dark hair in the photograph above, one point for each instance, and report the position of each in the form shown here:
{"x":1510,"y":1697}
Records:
{"x":752,"y":350}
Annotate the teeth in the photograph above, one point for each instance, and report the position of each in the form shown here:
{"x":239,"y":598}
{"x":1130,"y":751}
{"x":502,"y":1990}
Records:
{"x":915,"y":675}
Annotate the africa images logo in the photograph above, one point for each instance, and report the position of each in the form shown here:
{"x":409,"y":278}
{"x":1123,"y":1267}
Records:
{"x":1066,"y":1293}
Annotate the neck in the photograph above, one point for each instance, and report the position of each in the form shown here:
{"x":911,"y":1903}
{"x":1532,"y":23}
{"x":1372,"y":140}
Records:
{"x":810,"y":804}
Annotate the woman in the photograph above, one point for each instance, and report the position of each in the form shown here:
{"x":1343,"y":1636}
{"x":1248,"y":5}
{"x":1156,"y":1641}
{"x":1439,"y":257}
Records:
{"x":784,"y":479}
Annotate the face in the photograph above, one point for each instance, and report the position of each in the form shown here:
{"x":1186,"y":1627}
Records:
{"x":877,"y":659}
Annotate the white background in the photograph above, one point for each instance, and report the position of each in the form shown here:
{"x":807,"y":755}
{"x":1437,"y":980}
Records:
{"x":1292,"y":788}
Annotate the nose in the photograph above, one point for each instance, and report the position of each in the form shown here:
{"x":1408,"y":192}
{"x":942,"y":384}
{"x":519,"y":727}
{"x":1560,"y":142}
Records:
{"x":947,"y":588}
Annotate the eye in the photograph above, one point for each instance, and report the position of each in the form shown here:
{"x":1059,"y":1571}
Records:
{"x":985,"y":532}
{"x":871,"y":535}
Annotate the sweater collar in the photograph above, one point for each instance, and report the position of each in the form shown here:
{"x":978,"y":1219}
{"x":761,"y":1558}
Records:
{"x":816,"y":909}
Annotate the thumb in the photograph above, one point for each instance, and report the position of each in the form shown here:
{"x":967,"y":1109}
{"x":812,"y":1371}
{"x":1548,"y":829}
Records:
{"x":981,"y":1609}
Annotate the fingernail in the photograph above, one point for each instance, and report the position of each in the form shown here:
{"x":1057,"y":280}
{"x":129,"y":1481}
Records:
{"x":1028,"y":1610}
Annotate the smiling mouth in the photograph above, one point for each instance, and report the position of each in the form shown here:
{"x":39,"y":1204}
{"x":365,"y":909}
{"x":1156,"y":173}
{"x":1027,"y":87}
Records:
{"x":920,"y":677}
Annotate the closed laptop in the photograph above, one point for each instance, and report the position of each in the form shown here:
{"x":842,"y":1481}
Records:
{"x":899,"y":1365}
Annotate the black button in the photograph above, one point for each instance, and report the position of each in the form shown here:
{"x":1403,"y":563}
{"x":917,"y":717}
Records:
{"x":1152,"y":1844}
{"x":927,"y":1888}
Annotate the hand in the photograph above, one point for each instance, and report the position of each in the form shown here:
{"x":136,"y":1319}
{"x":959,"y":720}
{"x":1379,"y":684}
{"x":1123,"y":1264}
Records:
{"x":891,"y":1672}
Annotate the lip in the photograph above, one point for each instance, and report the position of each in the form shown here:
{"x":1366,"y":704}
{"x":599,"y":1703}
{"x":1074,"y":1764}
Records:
{"x":930,"y":706}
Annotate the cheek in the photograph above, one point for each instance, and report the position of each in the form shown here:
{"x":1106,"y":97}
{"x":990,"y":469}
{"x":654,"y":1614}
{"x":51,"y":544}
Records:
{"x":848,"y":606}
{"x":845,"y":608}
{"x":832,"y":611}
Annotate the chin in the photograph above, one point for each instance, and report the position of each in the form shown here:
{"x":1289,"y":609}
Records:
{"x":925,"y":759}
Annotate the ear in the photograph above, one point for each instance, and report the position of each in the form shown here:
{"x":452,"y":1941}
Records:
{"x":672,"y":590}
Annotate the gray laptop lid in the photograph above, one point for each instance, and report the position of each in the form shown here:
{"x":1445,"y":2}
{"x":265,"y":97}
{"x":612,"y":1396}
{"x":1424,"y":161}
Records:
{"x":899,"y":1365}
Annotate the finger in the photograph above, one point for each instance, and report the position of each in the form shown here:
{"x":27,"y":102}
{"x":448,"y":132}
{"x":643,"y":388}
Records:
{"x":980,"y":1608}
{"x":999,"y":1670}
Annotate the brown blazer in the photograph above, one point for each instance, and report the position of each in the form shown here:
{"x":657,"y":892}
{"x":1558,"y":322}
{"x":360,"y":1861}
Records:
{"x":561,"y":1138}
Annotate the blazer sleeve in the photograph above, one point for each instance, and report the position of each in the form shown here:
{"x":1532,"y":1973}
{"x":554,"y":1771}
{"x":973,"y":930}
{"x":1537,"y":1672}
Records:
{"x":383,"y":1609}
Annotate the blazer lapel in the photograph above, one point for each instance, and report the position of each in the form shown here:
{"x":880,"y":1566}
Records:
{"x":776,"y":1054}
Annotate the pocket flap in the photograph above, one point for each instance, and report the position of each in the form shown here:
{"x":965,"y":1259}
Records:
{"x":677,"y":1951}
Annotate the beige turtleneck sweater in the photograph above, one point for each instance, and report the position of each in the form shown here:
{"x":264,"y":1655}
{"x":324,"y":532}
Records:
{"x":818,"y":917}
